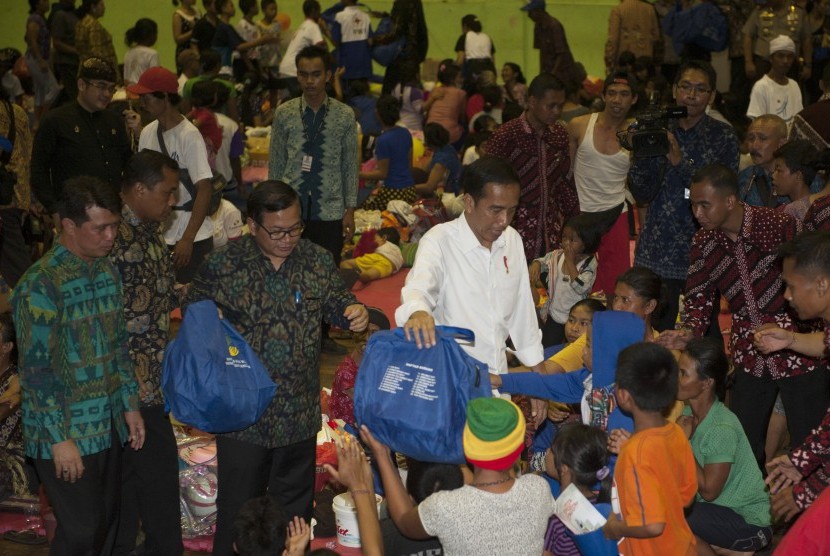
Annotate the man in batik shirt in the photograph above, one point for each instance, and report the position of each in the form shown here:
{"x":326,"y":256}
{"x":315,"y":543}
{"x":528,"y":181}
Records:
{"x":736,"y":252}
{"x":150,"y":477}
{"x":537,"y":147}
{"x":275,"y":288}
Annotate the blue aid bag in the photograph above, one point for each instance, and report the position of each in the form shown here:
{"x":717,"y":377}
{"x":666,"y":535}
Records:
{"x":415,"y":400}
{"x":212,"y":379}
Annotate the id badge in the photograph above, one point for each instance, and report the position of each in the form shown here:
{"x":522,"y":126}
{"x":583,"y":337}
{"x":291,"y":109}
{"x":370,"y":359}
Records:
{"x":306,"y":164}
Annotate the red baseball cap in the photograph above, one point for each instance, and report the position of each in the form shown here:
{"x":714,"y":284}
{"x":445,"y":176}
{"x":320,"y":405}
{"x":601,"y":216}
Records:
{"x":156,"y":80}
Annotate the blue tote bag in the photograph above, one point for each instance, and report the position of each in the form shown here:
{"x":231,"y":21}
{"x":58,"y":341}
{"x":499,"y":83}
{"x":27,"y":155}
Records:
{"x":415,"y":400}
{"x":212,"y":379}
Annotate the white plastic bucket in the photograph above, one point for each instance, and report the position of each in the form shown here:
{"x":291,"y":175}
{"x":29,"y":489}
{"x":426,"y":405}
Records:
{"x":345,"y":517}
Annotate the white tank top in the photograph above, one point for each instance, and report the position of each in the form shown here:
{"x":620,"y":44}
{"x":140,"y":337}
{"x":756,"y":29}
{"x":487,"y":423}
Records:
{"x":600,"y":178}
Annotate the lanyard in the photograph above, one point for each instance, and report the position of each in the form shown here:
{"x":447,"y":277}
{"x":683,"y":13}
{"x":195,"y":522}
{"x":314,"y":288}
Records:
{"x":316,"y":127}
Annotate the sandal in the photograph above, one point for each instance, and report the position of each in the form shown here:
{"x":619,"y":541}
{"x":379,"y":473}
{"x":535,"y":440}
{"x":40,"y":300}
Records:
{"x":27,"y":536}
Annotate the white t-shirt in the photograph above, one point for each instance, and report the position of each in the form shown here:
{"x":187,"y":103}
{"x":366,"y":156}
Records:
{"x":223,"y":155}
{"x":186,"y":146}
{"x":227,"y":223}
{"x":477,"y":46}
{"x":473,"y":522}
{"x":308,"y":34}
{"x":249,"y":32}
{"x":768,"y":97}
{"x":137,"y":60}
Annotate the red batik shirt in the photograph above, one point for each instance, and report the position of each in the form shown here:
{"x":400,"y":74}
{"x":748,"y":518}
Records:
{"x":747,"y":272}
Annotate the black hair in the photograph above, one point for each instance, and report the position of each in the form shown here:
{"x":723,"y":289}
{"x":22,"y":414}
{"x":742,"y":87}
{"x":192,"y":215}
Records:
{"x":483,"y":122}
{"x":260,"y":527}
{"x":85,"y":192}
{"x":265,"y":3}
{"x":487,"y":170}
{"x":86,"y":7}
{"x":246,"y":5}
{"x":144,"y":32}
{"x":270,"y":196}
{"x":511,"y":111}
{"x":620,"y":78}
{"x":593,"y":305}
{"x":314,"y":51}
{"x":8,"y":334}
{"x":210,"y":60}
{"x":33,"y":6}
{"x":471,"y":22}
{"x":517,"y":69}
{"x":358,"y":88}
{"x":310,"y":7}
{"x":425,"y":478}
{"x":710,"y":362}
{"x":205,"y":93}
{"x":146,"y":167}
{"x":644,"y":281}
{"x":801,"y":156}
{"x":589,"y":228}
{"x":492,"y":97}
{"x":436,"y":136}
{"x":543,"y":83}
{"x":626,"y":58}
{"x":697,"y":65}
{"x":721,"y":177}
{"x":649,"y":372}
{"x":389,"y":110}
{"x":810,"y":252}
{"x":391,"y":235}
{"x":584,"y":449}
{"x":480,"y":137}
{"x":448,"y":72}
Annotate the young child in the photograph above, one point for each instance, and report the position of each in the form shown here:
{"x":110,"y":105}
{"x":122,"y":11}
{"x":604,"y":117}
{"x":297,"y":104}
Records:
{"x":571,"y":272}
{"x":263,"y":528}
{"x":248,"y":29}
{"x":385,"y":261}
{"x":655,"y":476}
{"x":227,"y":219}
{"x":269,"y":54}
{"x":141,"y":56}
{"x":579,"y":456}
{"x":204,"y":97}
{"x":774,"y":93}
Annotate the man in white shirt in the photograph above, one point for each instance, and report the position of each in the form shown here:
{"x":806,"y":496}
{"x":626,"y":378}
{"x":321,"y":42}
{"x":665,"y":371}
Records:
{"x":308,"y":34}
{"x":472,"y":273}
{"x":775,"y":93}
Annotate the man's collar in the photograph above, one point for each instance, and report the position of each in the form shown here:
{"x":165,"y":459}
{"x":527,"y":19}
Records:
{"x":468,"y":239}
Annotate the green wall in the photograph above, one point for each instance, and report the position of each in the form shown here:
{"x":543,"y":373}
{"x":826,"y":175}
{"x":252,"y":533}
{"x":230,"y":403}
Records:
{"x":585,"y":21}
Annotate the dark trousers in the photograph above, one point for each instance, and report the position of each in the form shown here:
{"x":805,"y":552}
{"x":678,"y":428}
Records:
{"x":15,"y":256}
{"x":668,"y":317}
{"x":328,"y":234}
{"x":201,"y":249}
{"x":805,"y":399}
{"x":86,"y":510}
{"x":150,"y":490}
{"x":248,"y":471}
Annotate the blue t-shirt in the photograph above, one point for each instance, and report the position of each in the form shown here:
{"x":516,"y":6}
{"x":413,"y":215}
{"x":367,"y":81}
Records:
{"x":448,"y":158}
{"x":366,"y":117}
{"x":396,"y":145}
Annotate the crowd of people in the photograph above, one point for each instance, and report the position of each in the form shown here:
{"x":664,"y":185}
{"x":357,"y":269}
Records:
{"x":122,"y":198}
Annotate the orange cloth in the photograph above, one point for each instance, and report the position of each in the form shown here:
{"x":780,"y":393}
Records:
{"x":655,"y":479}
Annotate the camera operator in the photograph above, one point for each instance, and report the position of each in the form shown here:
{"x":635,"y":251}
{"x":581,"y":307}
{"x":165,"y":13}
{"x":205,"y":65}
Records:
{"x":663,"y":183}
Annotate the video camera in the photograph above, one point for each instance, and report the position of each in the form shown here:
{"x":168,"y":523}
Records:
{"x":648,"y":135}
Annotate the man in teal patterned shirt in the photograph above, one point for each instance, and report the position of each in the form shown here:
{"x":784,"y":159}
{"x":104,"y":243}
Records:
{"x":275,"y":288}
{"x":80,"y":396}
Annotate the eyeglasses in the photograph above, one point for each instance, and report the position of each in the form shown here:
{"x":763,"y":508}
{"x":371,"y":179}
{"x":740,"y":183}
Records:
{"x":688,"y":89}
{"x":102,"y":86}
{"x":277,"y":235}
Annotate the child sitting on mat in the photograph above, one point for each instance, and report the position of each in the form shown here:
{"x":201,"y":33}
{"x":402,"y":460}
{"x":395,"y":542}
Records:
{"x":385,"y":261}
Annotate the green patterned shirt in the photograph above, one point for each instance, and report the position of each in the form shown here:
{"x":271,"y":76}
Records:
{"x":75,"y":371}
{"x":329,"y":137}
{"x":143,"y":260}
{"x":278,"y":312}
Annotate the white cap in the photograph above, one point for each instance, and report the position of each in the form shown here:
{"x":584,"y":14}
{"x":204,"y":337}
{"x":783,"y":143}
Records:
{"x":781,"y":43}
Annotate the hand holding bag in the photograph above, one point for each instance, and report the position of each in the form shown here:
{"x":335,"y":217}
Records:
{"x":212,"y":379}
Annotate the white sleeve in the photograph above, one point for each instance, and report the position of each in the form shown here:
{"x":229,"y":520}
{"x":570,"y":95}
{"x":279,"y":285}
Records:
{"x":195,"y":157}
{"x":523,"y":324}
{"x":423,"y":283}
{"x":231,"y":220}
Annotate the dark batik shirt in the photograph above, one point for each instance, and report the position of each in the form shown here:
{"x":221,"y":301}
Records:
{"x":667,"y":232}
{"x":278,"y":312}
{"x":143,"y":260}
{"x":818,"y":215}
{"x":748,"y":274}
{"x":548,"y":196}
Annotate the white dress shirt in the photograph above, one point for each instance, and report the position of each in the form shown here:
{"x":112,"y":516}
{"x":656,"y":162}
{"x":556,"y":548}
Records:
{"x":462,"y":283}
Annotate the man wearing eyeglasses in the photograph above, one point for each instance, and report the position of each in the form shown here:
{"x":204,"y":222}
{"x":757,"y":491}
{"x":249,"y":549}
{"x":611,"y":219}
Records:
{"x":81,"y":138}
{"x":662,"y":182}
{"x":275,"y":287}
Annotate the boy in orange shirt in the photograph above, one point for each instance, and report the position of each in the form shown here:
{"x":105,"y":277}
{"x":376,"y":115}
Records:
{"x":655,"y":476}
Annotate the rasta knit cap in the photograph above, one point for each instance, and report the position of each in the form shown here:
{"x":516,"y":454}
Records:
{"x":494,"y":433}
